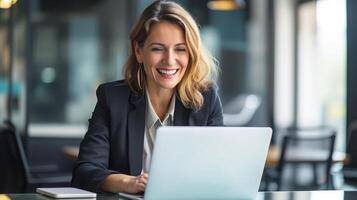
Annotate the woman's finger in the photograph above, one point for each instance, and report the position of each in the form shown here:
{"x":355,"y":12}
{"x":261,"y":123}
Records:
{"x":143,"y":180}
{"x":141,"y":186}
{"x":145,"y":175}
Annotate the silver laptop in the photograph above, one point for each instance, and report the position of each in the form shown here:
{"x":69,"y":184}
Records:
{"x":207,"y":163}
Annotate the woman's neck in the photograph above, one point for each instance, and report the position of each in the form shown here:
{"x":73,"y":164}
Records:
{"x":160,"y":100}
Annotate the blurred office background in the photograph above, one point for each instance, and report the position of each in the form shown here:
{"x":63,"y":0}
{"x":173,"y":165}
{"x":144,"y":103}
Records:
{"x":283,"y":63}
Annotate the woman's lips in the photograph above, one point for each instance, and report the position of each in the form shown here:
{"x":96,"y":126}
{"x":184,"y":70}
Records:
{"x":168,"y":72}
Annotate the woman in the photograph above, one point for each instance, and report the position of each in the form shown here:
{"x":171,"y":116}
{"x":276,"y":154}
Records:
{"x":168,"y":81}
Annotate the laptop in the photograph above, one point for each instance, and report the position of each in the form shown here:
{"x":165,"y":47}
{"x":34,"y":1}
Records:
{"x":207,"y":163}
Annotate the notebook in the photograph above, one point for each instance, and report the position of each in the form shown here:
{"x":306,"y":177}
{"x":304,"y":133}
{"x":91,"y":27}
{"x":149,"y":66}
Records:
{"x":66,"y":193}
{"x":207,"y":163}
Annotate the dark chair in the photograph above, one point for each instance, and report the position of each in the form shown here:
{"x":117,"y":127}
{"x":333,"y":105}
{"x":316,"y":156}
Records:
{"x":15,"y":173}
{"x":310,"y":147}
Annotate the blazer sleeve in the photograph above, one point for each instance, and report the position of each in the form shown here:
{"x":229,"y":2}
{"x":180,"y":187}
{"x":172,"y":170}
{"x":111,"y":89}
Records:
{"x":91,"y":168}
{"x":215,"y":117}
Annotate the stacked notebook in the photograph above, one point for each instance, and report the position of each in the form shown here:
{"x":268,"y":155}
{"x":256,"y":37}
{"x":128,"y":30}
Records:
{"x":66,"y":193}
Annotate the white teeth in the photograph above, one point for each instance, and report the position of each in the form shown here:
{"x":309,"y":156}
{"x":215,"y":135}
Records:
{"x":168,"y":72}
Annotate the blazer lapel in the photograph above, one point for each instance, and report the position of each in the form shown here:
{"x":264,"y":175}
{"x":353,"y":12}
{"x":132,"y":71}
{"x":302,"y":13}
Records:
{"x":136,"y":128}
{"x":181,"y":115}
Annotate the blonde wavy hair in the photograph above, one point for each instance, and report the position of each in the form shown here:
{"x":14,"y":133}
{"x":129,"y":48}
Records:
{"x":201,"y":71}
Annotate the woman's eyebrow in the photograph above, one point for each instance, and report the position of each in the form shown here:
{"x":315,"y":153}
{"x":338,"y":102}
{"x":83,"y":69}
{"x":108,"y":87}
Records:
{"x":179,"y":44}
{"x":160,"y":44}
{"x":156,"y":43}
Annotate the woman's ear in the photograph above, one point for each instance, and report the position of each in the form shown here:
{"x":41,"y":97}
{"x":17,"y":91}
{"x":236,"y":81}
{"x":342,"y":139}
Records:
{"x":138,"y":52}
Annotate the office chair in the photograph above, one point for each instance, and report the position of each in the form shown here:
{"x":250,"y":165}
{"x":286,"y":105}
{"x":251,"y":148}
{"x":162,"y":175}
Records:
{"x":15,"y":173}
{"x":240,"y":110}
{"x":304,"y":146}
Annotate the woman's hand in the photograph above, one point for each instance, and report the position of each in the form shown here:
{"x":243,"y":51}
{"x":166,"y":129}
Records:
{"x":125,"y":183}
{"x":136,"y":184}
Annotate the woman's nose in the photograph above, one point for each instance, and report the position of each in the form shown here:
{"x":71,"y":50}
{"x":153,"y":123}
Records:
{"x":170,"y":58}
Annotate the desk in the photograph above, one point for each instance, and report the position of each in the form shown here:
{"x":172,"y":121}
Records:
{"x":71,"y":153}
{"x":301,"y":195}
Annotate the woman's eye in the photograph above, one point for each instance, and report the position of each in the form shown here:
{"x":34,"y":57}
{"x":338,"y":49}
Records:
{"x":157,"y":49}
{"x":181,"y":49}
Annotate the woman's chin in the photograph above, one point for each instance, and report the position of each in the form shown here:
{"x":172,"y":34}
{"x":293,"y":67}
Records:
{"x":168,"y":84}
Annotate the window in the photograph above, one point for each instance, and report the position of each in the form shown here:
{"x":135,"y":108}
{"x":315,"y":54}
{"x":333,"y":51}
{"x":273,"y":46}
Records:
{"x":320,"y":92}
{"x":322,"y":66}
{"x":76,"y":45}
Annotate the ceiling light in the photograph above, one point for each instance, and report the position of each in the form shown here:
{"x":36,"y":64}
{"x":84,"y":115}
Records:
{"x":226,"y":5}
{"x":5,"y":4}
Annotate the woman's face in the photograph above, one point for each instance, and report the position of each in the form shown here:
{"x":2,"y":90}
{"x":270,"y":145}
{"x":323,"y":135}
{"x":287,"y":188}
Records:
{"x":164,"y":55}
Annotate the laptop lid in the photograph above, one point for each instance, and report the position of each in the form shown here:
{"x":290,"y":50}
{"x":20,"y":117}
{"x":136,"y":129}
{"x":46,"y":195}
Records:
{"x":207,"y":162}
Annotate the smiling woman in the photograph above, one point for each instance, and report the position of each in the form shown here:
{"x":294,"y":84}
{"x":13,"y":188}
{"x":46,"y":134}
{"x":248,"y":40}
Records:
{"x":169,"y":81}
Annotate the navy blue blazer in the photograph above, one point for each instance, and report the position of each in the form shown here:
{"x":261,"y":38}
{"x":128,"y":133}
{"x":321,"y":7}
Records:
{"x":115,"y":136}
